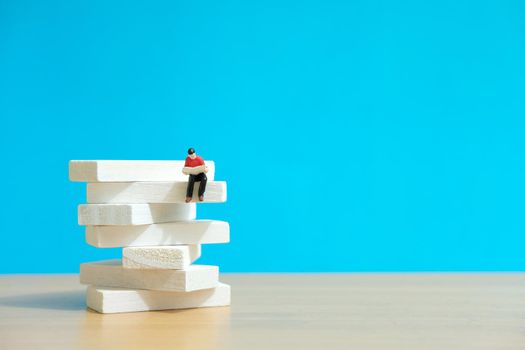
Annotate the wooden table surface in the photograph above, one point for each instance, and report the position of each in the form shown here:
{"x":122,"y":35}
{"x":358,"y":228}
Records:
{"x":280,"y":311}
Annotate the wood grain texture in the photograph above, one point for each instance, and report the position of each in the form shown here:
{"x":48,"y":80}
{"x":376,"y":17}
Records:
{"x":131,"y":170}
{"x":284,"y":311}
{"x":170,"y":233}
{"x":152,"y":192}
{"x":134,"y":214}
{"x":176,"y":257}
{"x":110,"y":273}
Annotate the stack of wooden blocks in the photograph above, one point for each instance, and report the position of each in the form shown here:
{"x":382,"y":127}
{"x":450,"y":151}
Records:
{"x":140,"y":206}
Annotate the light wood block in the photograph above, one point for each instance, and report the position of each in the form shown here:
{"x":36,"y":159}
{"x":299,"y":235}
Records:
{"x":164,"y":257}
{"x":110,"y":273}
{"x":131,"y":170}
{"x":171,"y":233}
{"x":134,"y":214}
{"x":116,"y":300}
{"x":152,"y":192}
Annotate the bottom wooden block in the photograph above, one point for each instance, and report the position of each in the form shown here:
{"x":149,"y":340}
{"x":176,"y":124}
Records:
{"x":115,"y":300}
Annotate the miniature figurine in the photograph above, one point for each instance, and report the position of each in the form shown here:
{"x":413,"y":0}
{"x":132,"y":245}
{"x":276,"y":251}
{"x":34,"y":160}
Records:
{"x":196,"y":169}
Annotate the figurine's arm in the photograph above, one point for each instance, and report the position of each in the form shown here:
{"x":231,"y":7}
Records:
{"x":204,"y":166}
{"x":185,"y":168}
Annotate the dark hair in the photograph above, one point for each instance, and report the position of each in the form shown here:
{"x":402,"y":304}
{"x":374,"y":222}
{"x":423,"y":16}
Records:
{"x":191,"y":151}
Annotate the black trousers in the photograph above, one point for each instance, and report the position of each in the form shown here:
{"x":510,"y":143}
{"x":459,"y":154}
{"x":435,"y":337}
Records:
{"x":196,"y":178}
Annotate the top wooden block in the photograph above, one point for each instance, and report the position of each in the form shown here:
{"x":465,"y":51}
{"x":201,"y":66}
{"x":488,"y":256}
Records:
{"x":131,"y":170}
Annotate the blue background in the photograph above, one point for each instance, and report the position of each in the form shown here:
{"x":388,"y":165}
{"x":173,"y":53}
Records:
{"x":354,"y":135}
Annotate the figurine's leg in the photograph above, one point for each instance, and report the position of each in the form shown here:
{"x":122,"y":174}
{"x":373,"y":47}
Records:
{"x":189,"y":189}
{"x":202,"y":185}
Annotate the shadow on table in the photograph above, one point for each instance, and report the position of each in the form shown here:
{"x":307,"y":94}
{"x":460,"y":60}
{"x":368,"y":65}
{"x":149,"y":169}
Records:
{"x":68,"y":300}
{"x":184,"y":329}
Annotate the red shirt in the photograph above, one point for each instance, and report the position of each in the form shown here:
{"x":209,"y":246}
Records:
{"x":192,"y":163}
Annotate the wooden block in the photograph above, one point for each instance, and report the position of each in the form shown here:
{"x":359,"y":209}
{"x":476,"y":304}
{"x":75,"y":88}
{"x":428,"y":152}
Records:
{"x":114,"y":300}
{"x":171,"y":233}
{"x":134,"y":214}
{"x":131,"y":170}
{"x":176,"y":257}
{"x":152,"y":192}
{"x":110,"y":273}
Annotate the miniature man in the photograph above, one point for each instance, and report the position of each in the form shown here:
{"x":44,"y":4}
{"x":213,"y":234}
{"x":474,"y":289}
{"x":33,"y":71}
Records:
{"x":195,"y":167}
